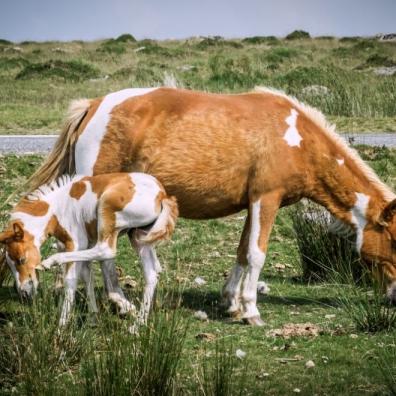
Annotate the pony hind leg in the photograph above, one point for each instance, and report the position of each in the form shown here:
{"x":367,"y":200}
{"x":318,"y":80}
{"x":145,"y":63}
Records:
{"x":151,"y":269}
{"x":232,"y":288}
{"x":113,"y":289}
{"x":262,"y":214}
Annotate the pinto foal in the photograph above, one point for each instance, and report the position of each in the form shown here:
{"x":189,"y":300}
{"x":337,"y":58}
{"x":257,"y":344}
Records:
{"x":86,"y":214}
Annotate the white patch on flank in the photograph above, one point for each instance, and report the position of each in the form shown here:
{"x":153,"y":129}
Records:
{"x":88,"y":144}
{"x":340,"y":161}
{"x":141,"y":210}
{"x":292,"y":137}
{"x":358,"y":219}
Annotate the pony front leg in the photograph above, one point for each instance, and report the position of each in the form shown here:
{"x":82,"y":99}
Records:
{"x":101,"y":251}
{"x":72,"y":274}
{"x":262,"y":214}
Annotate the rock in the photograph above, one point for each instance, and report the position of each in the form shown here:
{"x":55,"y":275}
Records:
{"x":309,"y":364}
{"x":262,"y":288}
{"x":387,"y":37}
{"x":385,"y":71}
{"x":296,"y":390}
{"x":330,"y":316}
{"x":240,"y":354}
{"x":139,"y":49}
{"x":279,"y":267}
{"x":315,"y":90}
{"x":201,"y":315}
{"x":199,"y":281}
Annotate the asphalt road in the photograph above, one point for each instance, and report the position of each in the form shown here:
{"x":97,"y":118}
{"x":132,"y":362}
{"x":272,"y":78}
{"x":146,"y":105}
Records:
{"x":42,"y":144}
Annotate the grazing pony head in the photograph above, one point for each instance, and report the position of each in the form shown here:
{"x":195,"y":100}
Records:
{"x":23,"y":257}
{"x":379,"y":248}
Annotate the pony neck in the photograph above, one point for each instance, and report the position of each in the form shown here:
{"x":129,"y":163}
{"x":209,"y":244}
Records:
{"x":349,"y":189}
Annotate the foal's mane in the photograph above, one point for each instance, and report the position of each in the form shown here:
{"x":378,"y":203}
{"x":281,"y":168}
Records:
{"x":329,"y":130}
{"x":42,"y":191}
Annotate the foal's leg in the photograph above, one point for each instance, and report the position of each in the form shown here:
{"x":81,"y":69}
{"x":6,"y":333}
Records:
{"x":151,"y":269}
{"x":232,"y":287}
{"x":113,"y":289}
{"x":262,"y":213}
{"x":86,"y":275}
{"x":72,"y":275}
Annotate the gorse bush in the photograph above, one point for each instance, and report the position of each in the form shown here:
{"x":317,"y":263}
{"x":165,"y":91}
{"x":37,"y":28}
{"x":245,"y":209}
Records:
{"x":73,"y":71}
{"x":271,"y":40}
{"x":125,"y":38}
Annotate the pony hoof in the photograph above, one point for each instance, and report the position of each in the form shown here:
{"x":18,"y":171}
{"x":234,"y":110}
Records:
{"x":235,"y":315}
{"x":254,"y":321}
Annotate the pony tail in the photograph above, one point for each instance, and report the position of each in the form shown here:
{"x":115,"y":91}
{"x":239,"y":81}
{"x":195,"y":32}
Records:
{"x":61,"y":159}
{"x":5,"y":273}
{"x":165,"y":223}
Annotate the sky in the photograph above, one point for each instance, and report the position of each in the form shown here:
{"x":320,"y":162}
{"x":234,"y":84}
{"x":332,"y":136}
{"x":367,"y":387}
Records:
{"x":42,"y":20}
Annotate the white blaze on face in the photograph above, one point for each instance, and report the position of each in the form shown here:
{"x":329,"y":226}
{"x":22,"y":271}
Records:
{"x":292,"y":137}
{"x":358,"y":218}
{"x":340,"y":161}
{"x":88,"y":144}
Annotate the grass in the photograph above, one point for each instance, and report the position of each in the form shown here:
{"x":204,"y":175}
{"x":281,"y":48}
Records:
{"x":82,"y":360}
{"x":38,"y":80}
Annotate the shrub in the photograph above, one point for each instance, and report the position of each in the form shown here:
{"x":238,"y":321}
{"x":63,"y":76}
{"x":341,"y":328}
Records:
{"x":302,"y":76}
{"x":278,"y":55}
{"x":379,"y":60}
{"x":74,"y":70}
{"x":112,"y":47}
{"x":350,"y":39}
{"x":217,"y":41}
{"x":13,"y":63}
{"x":261,"y":40}
{"x":298,"y":35}
{"x":5,"y":42}
{"x":125,"y":38}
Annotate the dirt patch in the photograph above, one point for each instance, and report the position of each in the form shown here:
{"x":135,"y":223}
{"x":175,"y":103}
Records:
{"x":296,"y":330}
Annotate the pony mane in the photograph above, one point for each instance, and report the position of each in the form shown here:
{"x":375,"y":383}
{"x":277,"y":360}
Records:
{"x":329,"y":130}
{"x":45,"y":189}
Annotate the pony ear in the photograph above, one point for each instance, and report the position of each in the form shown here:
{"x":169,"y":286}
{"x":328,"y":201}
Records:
{"x":387,"y":213}
{"x":6,"y":235}
{"x":18,"y":232}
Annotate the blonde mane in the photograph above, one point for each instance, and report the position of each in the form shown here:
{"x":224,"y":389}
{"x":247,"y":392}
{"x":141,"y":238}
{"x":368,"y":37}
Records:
{"x":329,"y":130}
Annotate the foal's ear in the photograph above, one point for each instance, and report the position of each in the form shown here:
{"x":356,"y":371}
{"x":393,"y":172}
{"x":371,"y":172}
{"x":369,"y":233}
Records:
{"x":6,"y":235}
{"x":387,"y":214}
{"x":18,"y":232}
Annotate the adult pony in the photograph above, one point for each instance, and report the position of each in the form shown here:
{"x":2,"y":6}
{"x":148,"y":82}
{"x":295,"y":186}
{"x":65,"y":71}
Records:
{"x":219,"y":154}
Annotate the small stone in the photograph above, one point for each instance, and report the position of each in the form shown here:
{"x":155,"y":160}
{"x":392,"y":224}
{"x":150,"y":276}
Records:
{"x":262,"y":288}
{"x":201,"y":315}
{"x":240,"y":354}
{"x":353,"y":335}
{"x":279,"y":267}
{"x":309,"y":364}
{"x":296,"y":390}
{"x":330,"y":316}
{"x":199,"y":281}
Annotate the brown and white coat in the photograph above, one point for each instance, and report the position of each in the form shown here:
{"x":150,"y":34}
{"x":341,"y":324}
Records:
{"x":86,"y":214}
{"x":219,"y":154}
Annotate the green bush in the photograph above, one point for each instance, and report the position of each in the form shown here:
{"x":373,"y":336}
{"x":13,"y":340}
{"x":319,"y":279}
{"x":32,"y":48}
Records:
{"x":217,"y":41}
{"x":379,"y":60}
{"x":112,"y":47}
{"x":125,"y":38}
{"x":261,"y":40}
{"x":74,"y":70}
{"x":298,"y":35}
{"x":5,"y":42}
{"x":278,"y":55}
{"x":13,"y":63}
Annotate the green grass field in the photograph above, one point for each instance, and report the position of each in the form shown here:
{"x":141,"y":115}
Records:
{"x":37,"y":80}
{"x":86,"y":359}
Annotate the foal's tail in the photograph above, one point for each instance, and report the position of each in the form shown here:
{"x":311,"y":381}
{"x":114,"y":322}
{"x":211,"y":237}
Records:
{"x":165,"y":223}
{"x":61,"y":159}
